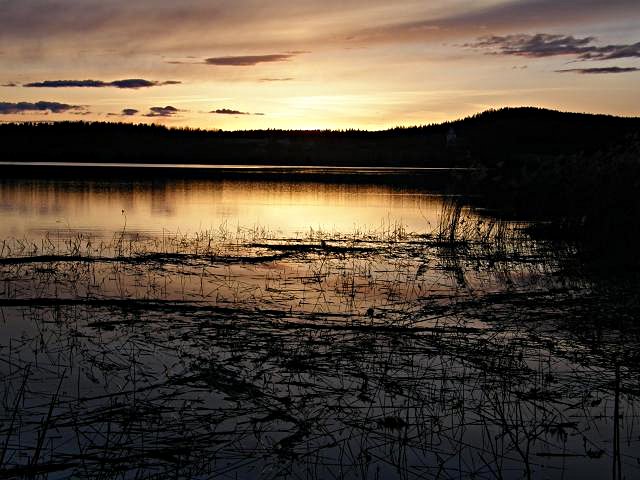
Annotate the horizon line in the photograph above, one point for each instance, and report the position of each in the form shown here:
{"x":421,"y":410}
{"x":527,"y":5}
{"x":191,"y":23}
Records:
{"x":397,"y":127}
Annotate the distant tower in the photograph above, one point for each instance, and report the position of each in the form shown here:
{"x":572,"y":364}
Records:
{"x":451,"y":137}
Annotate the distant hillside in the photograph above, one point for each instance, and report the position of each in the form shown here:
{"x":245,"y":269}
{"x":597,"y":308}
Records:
{"x":488,"y":138}
{"x":500,"y":135}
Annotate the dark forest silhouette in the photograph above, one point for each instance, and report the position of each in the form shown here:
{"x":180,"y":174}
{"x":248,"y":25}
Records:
{"x":489,"y":138}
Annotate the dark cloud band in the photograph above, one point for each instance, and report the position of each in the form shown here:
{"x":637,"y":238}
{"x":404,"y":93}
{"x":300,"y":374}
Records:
{"x":546,"y":45}
{"x":129,"y":83}
{"x":248,"y":60}
{"x":601,"y":70}
{"x":228,"y":111}
{"x":274,"y":79}
{"x":41,"y":107}
{"x":167,"y":111}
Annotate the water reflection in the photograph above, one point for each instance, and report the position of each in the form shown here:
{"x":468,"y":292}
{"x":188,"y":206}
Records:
{"x":474,"y":352}
{"x":30,"y":208}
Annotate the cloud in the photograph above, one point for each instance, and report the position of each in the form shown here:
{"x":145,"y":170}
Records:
{"x":248,"y":60}
{"x":610,"y":52}
{"x":271,"y":79}
{"x":227,"y":111}
{"x":167,"y":111}
{"x":499,"y":16}
{"x":26,"y":107}
{"x":41,"y":28}
{"x":601,"y":70}
{"x":66,"y":83}
{"x":129,"y":83}
{"x":539,"y":45}
{"x":547,"y":45}
{"x":127,"y":112}
{"x":140,"y":83}
{"x":10,"y":84}
{"x":241,"y":60}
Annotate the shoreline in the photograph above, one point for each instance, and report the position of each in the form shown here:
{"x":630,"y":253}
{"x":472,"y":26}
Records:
{"x":429,"y":178}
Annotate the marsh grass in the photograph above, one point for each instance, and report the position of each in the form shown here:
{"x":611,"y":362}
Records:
{"x":589,"y":198}
{"x":461,"y":352}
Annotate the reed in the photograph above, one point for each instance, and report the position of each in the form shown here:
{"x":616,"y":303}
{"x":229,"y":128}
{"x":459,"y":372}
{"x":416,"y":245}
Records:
{"x":464,"y":352}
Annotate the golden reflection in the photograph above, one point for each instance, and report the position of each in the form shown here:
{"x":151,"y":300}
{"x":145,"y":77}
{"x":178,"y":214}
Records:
{"x":31,"y":209}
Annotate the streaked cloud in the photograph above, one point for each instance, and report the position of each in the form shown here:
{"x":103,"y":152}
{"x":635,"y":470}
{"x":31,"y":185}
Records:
{"x":166,"y":25}
{"x":8,"y":108}
{"x":539,"y":45}
{"x":610,"y":52}
{"x":128,"y":83}
{"x":229,"y":111}
{"x":248,"y":60}
{"x":239,"y":60}
{"x":502,"y":16}
{"x":277,"y":79}
{"x":600,"y":70}
{"x":548,"y":45}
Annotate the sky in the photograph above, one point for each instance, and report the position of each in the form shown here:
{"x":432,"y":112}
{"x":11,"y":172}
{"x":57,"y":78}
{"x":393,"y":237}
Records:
{"x":304,"y":64}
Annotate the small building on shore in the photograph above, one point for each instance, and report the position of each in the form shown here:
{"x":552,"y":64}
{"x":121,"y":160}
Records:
{"x":452,"y":138}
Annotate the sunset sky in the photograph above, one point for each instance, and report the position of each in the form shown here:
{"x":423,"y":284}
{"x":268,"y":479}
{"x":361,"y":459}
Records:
{"x":306,"y":64}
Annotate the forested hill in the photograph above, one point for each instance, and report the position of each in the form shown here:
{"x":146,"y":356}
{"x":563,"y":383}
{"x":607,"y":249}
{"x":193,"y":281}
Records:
{"x":489,"y":138}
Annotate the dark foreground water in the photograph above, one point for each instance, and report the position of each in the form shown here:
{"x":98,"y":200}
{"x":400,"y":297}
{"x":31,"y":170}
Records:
{"x":259,"y":329}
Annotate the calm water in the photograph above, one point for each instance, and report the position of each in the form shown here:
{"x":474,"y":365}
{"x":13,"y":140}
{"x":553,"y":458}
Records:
{"x":200,"y":166}
{"x":31,"y":208}
{"x":300,"y":351}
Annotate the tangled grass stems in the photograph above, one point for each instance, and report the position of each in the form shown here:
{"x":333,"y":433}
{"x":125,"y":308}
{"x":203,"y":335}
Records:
{"x":384,"y":353}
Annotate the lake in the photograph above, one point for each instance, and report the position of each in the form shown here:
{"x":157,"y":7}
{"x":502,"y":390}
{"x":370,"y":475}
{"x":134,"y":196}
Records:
{"x":266,"y":323}
{"x":34,"y":207}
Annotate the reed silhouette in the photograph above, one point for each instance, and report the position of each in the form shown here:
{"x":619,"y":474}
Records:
{"x":468,"y":351}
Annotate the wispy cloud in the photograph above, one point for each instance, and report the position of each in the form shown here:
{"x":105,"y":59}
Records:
{"x":175,"y":28}
{"x":539,"y":45}
{"x":600,"y":70}
{"x":126,"y":112}
{"x":249,"y":60}
{"x":547,"y":45}
{"x":7,"y":108}
{"x":273,"y":79}
{"x":610,"y":52}
{"x":141,"y":83}
{"x":167,"y":111}
{"x":498,"y":16}
{"x":229,"y":111}
{"x":128,"y":83}
{"x":240,"y":60}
